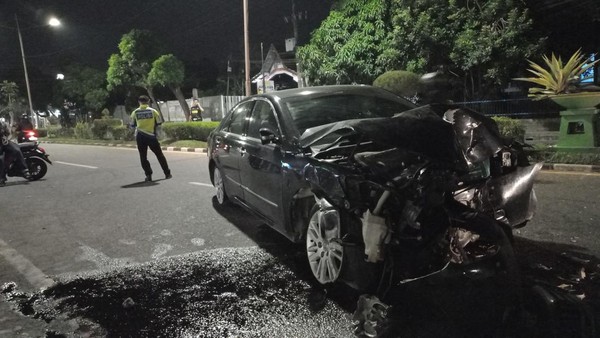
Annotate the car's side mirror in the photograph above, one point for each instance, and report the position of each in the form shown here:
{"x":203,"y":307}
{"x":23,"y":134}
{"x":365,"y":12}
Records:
{"x":268,"y":136}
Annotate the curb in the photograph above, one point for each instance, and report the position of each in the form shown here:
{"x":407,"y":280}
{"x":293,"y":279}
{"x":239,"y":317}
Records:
{"x":582,"y":168}
{"x":180,"y":149}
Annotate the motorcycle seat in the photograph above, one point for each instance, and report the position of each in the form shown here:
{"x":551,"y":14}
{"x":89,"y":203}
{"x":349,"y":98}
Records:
{"x":27,"y":145}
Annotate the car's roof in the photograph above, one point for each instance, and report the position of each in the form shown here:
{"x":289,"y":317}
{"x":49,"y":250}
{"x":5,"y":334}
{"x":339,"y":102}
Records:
{"x":319,"y":90}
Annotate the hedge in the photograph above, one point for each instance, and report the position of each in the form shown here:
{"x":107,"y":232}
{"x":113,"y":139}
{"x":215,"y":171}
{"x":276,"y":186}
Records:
{"x":102,"y":128}
{"x":198,"y":130}
{"x":510,"y":128}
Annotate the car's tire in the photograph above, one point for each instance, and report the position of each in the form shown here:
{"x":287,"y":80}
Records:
{"x":37,"y":168}
{"x":219,"y":184}
{"x":324,"y":250}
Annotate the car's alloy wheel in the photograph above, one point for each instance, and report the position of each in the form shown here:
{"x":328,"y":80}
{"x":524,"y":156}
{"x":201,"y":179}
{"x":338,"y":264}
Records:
{"x":325,"y":253}
{"x":220,"y":186}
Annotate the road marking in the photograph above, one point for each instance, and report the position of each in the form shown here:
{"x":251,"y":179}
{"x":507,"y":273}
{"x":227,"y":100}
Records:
{"x":201,"y":184}
{"x":36,"y":277}
{"x":77,"y":165}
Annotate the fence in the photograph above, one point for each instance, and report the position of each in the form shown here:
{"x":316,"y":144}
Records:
{"x":540,"y":118}
{"x":215,"y":108}
{"x":515,"y":108}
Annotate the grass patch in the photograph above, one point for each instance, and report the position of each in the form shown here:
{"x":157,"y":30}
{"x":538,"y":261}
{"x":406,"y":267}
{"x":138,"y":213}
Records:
{"x":551,"y":155}
{"x":183,"y":143}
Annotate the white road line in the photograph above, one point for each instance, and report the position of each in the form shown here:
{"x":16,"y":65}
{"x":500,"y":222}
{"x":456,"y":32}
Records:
{"x":77,"y":165}
{"x":201,"y":184}
{"x":36,"y":277}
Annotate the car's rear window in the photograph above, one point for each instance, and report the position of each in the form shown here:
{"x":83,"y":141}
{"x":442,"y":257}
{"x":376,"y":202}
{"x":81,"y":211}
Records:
{"x":308,"y":112}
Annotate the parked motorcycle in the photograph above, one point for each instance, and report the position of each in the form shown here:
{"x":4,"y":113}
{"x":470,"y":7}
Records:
{"x":35,"y":158}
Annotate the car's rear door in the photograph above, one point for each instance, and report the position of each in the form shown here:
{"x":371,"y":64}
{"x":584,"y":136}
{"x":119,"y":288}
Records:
{"x":260,"y":165}
{"x":229,"y":148}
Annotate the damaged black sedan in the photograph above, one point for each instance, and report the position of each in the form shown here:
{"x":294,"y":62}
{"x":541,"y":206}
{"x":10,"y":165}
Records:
{"x":381,"y":191}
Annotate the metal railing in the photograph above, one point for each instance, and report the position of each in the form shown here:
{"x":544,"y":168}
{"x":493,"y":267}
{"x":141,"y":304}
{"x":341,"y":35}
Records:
{"x":515,"y":108}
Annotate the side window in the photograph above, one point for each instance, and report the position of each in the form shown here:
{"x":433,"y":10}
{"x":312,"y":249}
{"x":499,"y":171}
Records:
{"x":263,"y":116}
{"x":238,"y":118}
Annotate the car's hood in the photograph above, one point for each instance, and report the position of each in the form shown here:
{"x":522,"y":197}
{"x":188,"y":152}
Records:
{"x":434,"y":130}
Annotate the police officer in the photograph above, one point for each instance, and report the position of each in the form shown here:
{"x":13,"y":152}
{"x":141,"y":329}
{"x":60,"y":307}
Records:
{"x":146,"y":120}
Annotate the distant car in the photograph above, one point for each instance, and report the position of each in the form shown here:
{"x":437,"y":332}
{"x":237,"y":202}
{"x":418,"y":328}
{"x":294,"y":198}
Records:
{"x":378,"y":188}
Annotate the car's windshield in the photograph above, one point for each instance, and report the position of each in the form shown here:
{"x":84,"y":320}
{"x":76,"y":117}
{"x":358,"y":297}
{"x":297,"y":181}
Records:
{"x":315,"y":111}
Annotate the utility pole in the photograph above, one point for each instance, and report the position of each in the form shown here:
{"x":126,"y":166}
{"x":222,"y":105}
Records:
{"x":262,"y":60}
{"x":247,"y":50}
{"x":31,"y":112}
{"x":294,"y":18}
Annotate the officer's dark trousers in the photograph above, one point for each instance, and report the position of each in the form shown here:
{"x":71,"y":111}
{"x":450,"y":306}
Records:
{"x":143,"y":143}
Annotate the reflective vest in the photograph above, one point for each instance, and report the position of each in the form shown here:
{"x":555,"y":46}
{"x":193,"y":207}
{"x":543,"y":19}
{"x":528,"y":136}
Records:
{"x":146,"y":119}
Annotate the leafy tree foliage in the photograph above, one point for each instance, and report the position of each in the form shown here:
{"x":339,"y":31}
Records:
{"x":480,"y":43}
{"x":351,"y":46}
{"x":168,"y":71}
{"x":85,"y":87}
{"x":9,"y":100}
{"x":131,"y":66}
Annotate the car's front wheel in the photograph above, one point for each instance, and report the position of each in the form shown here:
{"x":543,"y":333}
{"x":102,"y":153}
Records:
{"x":220,"y":186}
{"x":323,"y":245}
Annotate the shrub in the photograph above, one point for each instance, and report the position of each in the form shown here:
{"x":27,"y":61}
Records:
{"x":82,"y":130}
{"x":189,"y":130}
{"x":60,"y":132}
{"x":510,"y":128}
{"x":42,"y":132}
{"x":102,"y":127}
{"x":399,"y":82}
{"x":123,"y":133}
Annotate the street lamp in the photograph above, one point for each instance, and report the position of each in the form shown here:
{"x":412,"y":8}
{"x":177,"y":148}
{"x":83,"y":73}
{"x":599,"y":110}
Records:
{"x":53,"y":22}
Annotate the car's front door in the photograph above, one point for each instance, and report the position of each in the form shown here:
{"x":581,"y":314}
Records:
{"x":260,"y":165}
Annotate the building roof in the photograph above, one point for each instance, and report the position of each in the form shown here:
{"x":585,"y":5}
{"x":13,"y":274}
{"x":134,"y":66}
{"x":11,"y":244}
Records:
{"x":273,"y":66}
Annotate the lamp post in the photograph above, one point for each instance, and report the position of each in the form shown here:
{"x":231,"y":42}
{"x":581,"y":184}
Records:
{"x":53,"y":22}
{"x":246,"y":50}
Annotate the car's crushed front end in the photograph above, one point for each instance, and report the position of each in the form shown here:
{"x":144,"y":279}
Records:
{"x":411,"y":195}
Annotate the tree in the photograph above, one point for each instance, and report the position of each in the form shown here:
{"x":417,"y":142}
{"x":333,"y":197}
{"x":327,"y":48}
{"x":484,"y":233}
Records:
{"x":168,"y":71}
{"x":9,"y":96}
{"x":481,"y":42}
{"x":84,"y":86}
{"x":353,"y":45}
{"x":130,"y":67}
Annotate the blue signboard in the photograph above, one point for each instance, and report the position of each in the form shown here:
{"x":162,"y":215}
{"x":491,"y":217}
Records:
{"x":589,"y":75}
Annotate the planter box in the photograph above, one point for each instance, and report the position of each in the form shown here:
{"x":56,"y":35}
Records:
{"x":579,"y":127}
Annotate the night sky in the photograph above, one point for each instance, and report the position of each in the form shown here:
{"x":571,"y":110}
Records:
{"x":193,"y":30}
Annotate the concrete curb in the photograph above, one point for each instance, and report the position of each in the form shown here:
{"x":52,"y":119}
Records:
{"x":180,"y":149}
{"x":582,"y":168}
